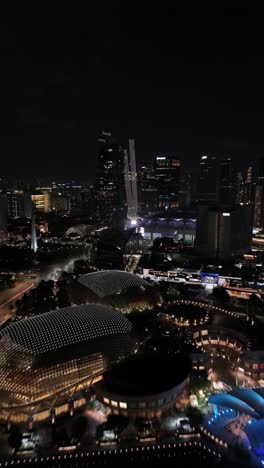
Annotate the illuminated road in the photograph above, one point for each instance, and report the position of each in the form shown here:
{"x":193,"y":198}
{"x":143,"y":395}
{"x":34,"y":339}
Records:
{"x":9,"y":296}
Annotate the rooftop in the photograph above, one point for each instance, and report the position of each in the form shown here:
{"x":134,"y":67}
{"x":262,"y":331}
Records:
{"x":148,"y":373}
{"x":108,"y":282}
{"x":64,"y":327}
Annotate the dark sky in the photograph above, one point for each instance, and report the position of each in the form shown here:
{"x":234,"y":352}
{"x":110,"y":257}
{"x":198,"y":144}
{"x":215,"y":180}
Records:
{"x":180,"y":81}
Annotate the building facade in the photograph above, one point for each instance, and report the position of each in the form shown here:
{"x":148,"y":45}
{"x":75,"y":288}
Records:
{"x":207,"y":182}
{"x":109,"y":185}
{"x":3,"y":216}
{"x":167,"y":175}
{"x":219,"y":232}
{"x":15,"y":204}
{"x":228,"y":184}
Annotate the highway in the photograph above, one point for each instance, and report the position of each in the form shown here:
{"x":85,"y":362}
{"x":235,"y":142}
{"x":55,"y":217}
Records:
{"x":10,"y":295}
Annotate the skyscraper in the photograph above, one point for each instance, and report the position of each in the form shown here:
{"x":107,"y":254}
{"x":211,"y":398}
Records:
{"x":227,"y":185}
{"x":109,"y":185}
{"x":3,"y":216}
{"x":130,"y":172}
{"x":219,"y":232}
{"x":167,"y":174}
{"x":207,"y":183}
{"x":247,"y":191}
{"x":259,"y":207}
{"x":259,"y":194}
{"x":148,"y":192}
{"x":41,"y":200}
{"x":15,"y":204}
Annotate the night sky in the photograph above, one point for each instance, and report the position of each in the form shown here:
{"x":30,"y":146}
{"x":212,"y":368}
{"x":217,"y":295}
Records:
{"x":185,"y":82}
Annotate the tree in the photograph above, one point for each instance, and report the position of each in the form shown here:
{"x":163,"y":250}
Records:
{"x":199,"y":381}
{"x":162,"y":243}
{"x":79,"y":427}
{"x":15,"y":439}
{"x":117,"y":422}
{"x":254,"y":303}
{"x":195,"y":416}
{"x":62,"y":295}
{"x":221,"y":295}
{"x":60,"y":436}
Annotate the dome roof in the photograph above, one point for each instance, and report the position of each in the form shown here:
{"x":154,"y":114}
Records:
{"x":64,"y":327}
{"x":108,"y":282}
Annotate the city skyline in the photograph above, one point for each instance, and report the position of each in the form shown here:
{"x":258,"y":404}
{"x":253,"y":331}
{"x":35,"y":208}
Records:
{"x":131,"y":236}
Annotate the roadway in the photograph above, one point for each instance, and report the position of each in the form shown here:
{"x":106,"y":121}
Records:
{"x":9,"y":296}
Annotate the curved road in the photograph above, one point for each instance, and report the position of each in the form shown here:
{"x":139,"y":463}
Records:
{"x":9,"y":296}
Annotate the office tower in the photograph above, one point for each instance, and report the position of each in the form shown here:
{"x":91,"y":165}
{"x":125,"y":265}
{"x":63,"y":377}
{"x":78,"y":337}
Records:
{"x":259,"y":206}
{"x":148,"y":192}
{"x":41,"y":200}
{"x":109,"y":185}
{"x":28,"y":205}
{"x":167,"y":173}
{"x":130,"y":173}
{"x":219,"y":232}
{"x":247,"y":192}
{"x":87,"y":202}
{"x":227,"y":184}
{"x":60,"y":203}
{"x":185,"y":193}
{"x":259,"y":194}
{"x":240,"y":187}
{"x":34,"y":243}
{"x":207,"y":182}
{"x":260,"y":171}
{"x":3,"y":216}
{"x":15,"y":204}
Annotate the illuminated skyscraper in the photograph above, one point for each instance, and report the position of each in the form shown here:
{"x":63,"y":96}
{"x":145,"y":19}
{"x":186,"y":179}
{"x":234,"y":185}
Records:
{"x":248,"y":186}
{"x":259,"y":194}
{"x":167,"y":174}
{"x":148,"y":192}
{"x":219,"y":232}
{"x":131,"y":182}
{"x":109,"y":185}
{"x":3,"y":216}
{"x":227,"y":186}
{"x":15,"y":204}
{"x":41,"y":200}
{"x":207,"y":183}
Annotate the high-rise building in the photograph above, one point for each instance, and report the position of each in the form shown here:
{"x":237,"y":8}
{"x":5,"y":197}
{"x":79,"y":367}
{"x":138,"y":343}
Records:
{"x":185,"y":194}
{"x":109,"y":185}
{"x":148,"y":192}
{"x":259,"y":194}
{"x":28,"y":204}
{"x":247,"y":189}
{"x":167,"y":174}
{"x":130,"y":173}
{"x":259,"y":206}
{"x":219,"y":232}
{"x":227,"y":184}
{"x":207,"y":182}
{"x":41,"y":200}
{"x":3,"y":216}
{"x":15,"y":204}
{"x":87,"y":202}
{"x":60,"y":203}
